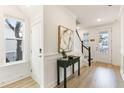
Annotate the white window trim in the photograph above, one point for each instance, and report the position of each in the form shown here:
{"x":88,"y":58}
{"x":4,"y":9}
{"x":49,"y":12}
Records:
{"x":12,"y":63}
{"x":23,"y":45}
{"x":14,"y":39}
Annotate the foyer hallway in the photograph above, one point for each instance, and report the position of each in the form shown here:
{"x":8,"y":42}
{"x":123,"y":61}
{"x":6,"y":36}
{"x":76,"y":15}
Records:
{"x":99,"y":75}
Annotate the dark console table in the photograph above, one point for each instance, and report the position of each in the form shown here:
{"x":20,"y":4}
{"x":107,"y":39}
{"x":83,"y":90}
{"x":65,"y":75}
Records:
{"x":64,"y":63}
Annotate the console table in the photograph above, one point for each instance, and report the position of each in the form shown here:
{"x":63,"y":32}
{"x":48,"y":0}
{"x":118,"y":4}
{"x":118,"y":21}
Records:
{"x":64,"y":63}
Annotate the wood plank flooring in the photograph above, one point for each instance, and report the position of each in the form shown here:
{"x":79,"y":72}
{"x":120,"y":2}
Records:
{"x":24,"y":83}
{"x":99,"y":75}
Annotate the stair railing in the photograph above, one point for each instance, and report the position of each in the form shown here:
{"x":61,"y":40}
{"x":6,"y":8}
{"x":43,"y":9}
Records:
{"x":87,"y":48}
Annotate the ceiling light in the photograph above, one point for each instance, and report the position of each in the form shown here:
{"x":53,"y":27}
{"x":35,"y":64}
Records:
{"x":98,"y":20}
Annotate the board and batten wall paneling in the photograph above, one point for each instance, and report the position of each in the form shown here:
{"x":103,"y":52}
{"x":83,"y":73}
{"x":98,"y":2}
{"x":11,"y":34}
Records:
{"x":54,"y":16}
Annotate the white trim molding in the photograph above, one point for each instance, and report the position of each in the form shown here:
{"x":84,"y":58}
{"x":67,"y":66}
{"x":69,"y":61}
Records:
{"x":51,"y":54}
{"x":122,"y":75}
{"x":12,"y":81}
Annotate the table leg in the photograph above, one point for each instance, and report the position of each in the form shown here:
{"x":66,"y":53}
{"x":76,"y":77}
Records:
{"x":73,"y":68}
{"x":65,"y":85}
{"x":79,"y":67}
{"x":58,"y":77}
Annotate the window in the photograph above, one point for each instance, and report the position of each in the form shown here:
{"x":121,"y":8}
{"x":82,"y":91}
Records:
{"x":103,"y":42}
{"x":86,"y":39}
{"x":13,"y":34}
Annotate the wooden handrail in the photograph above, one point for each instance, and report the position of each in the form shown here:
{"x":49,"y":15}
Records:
{"x":81,"y":41}
{"x":84,"y":45}
{"x":88,"y":48}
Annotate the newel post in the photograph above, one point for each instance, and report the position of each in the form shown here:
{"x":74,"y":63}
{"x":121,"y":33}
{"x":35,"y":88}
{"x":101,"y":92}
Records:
{"x":82,"y":47}
{"x":89,"y":59}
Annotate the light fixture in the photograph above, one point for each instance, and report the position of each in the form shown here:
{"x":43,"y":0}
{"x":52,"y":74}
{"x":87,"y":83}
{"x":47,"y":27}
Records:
{"x":99,"y":19}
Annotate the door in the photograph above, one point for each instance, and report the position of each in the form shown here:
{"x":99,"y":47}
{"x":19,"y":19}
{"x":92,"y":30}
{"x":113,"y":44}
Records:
{"x":36,"y":55}
{"x":103,"y":45}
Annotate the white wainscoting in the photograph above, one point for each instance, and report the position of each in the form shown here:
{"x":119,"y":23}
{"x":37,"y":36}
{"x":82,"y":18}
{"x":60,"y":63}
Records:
{"x":122,"y":67}
{"x":13,"y":73}
{"x":51,"y":69}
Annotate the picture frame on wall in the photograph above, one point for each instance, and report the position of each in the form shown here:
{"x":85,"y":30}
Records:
{"x":65,"y":39}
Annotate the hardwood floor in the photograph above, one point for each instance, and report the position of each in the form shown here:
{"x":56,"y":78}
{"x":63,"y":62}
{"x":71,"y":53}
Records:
{"x":99,"y":75}
{"x":24,"y":83}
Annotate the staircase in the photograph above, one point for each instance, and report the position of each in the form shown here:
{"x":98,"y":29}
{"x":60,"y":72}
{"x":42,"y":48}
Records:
{"x":88,"y":49}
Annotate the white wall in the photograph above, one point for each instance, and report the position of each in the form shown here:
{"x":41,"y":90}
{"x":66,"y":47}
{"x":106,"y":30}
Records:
{"x":116,"y":43}
{"x":54,"y":16}
{"x":122,"y":40}
{"x":9,"y":73}
{"x":1,"y":38}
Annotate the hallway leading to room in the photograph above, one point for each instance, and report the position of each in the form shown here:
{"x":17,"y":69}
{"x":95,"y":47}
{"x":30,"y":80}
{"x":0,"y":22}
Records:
{"x":48,"y":46}
{"x":99,"y":75}
{"x":59,"y":46}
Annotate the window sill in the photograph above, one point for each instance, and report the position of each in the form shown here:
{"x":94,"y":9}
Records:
{"x":12,"y":63}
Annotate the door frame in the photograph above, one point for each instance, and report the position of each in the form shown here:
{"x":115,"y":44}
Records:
{"x":35,"y":21}
{"x":110,"y":30}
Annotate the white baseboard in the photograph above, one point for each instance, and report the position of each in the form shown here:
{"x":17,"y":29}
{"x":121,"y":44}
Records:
{"x":12,"y":81}
{"x":54,"y":83}
{"x":122,"y":74}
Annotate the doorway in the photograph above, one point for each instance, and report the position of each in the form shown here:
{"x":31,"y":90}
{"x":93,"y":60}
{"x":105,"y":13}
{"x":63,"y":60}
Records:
{"x":103,"y":48}
{"x":36,"y":50}
{"x":100,"y":42}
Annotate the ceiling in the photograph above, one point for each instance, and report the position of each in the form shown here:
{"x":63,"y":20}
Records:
{"x":30,"y":11}
{"x":89,"y":14}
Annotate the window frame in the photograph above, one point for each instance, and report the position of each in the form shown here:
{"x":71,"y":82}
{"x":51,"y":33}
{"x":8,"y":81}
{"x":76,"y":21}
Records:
{"x":84,"y":40}
{"x":100,"y":49}
{"x":23,"y":42}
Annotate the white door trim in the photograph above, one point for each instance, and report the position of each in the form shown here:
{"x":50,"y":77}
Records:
{"x":109,"y":29}
{"x":36,"y":21}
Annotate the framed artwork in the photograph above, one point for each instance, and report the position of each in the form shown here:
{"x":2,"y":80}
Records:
{"x":65,"y":39}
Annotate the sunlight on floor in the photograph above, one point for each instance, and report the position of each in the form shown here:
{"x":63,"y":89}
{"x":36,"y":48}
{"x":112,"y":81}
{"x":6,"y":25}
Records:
{"x":103,"y":75}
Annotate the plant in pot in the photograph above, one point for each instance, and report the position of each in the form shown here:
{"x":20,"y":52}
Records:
{"x":64,"y":54}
